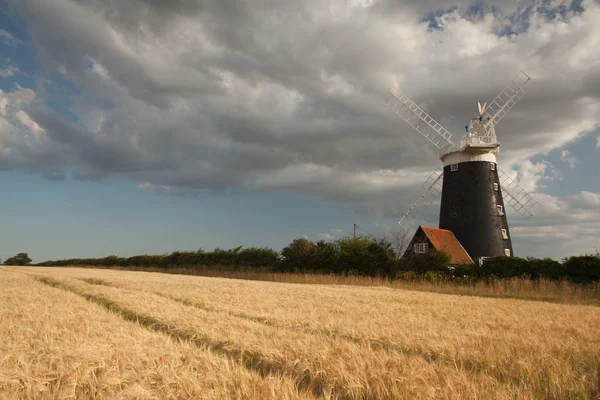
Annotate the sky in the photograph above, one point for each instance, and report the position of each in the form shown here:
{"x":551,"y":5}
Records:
{"x":131,"y":127}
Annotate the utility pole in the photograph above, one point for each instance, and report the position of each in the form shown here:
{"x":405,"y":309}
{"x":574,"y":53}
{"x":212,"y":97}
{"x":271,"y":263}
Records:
{"x":354,"y":231}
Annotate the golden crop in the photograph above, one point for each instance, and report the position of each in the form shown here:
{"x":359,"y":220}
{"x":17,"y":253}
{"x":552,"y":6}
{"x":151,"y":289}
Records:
{"x":103,"y":333}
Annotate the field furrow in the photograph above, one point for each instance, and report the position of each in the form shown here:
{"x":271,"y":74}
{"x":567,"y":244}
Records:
{"x":379,"y":343}
{"x":54,"y":344}
{"x":507,"y":336}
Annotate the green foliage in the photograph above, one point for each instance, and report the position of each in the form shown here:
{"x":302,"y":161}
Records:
{"x":577,"y":269}
{"x":346,"y":256}
{"x":435,"y":276}
{"x":582,"y":269}
{"x":433,"y":260}
{"x":325,"y":256}
{"x":503,"y":267}
{"x":257,"y":257}
{"x":352,"y":257}
{"x":367,"y":257}
{"x":461,"y":271}
{"x":297,"y":255}
{"x":19,"y":259}
{"x":544,"y":268}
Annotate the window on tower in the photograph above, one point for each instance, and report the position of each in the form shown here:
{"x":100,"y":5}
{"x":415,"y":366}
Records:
{"x":496,"y":187}
{"x":421,"y":248}
{"x":500,"y":210}
{"x":493,"y":166}
{"x":504,"y":234}
{"x":453,"y":167}
{"x":507,"y":252}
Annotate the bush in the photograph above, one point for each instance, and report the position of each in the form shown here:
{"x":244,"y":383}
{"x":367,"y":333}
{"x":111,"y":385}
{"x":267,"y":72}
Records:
{"x":503,"y":267}
{"x":582,"y":269}
{"x":577,"y":269}
{"x":545,"y":268}
{"x":463,"y":271}
{"x":257,"y":257}
{"x":433,"y":260}
{"x":352,"y":256}
{"x":435,"y":276}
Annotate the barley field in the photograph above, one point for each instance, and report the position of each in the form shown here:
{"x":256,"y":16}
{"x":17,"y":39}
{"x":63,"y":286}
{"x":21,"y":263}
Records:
{"x":91,"y":333}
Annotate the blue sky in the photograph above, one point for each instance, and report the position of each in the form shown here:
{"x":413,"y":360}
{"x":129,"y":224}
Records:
{"x":114,"y":217}
{"x":128,"y":129}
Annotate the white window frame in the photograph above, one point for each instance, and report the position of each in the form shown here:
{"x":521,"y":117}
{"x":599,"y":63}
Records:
{"x":504,"y":234}
{"x":453,"y":167}
{"x":496,"y":187}
{"x":500,"y":210}
{"x":493,"y":166}
{"x":420,"y":248}
{"x":507,"y":252}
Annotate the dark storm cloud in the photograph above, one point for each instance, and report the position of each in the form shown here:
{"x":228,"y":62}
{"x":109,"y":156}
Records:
{"x":265,"y":95}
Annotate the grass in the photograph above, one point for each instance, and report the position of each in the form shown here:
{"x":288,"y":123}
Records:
{"x":561,"y":292}
{"x":322,"y":341}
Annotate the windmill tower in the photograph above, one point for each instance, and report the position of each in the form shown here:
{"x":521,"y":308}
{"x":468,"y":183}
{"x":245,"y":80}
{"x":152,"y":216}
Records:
{"x":473,"y":190}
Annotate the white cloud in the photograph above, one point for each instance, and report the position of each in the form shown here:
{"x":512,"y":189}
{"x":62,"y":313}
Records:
{"x":22,"y":140}
{"x":598,"y":141}
{"x":570,"y":224}
{"x":567,"y":157}
{"x":30,"y":124}
{"x":326,"y":236}
{"x":8,"y":72}
{"x":161,"y":189}
{"x":586,"y":200}
{"x":337,"y":231}
{"x":530,"y":175}
{"x":98,"y":69}
{"x":8,"y":38}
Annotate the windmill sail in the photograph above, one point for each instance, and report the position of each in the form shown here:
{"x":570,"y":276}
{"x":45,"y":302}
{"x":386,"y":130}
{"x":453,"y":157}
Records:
{"x":517,"y":197}
{"x":409,"y":111}
{"x":508,"y":97}
{"x":429,"y":191}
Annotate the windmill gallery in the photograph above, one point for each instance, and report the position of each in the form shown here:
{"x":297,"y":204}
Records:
{"x":472,"y":222}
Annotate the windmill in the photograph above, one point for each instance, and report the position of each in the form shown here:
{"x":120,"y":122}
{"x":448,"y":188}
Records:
{"x":473,"y":190}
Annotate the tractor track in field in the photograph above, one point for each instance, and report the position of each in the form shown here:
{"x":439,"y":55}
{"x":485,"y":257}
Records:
{"x":258,"y":362}
{"x":254,"y":361}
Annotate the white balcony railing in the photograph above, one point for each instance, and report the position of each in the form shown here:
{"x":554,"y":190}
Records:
{"x":476,"y":141}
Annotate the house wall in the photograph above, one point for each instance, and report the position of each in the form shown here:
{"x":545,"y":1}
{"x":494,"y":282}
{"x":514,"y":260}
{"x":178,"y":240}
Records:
{"x":419,"y":237}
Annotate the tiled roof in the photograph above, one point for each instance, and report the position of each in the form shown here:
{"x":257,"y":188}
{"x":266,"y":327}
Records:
{"x":444,"y":240}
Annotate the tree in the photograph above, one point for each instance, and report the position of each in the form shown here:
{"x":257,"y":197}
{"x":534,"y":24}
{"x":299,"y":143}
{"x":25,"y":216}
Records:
{"x":366,"y":256}
{"x":19,"y":259}
{"x":325,"y":256}
{"x":297,"y":255}
{"x":399,"y":239}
